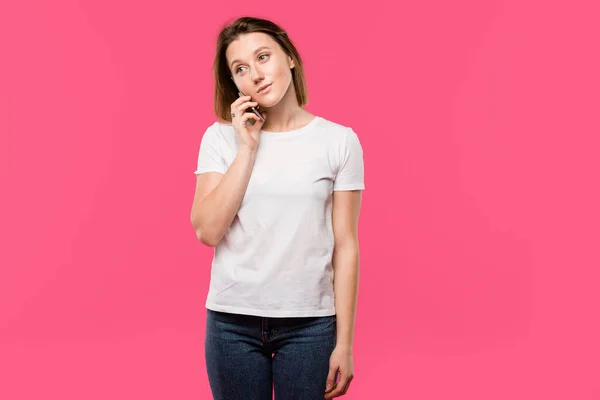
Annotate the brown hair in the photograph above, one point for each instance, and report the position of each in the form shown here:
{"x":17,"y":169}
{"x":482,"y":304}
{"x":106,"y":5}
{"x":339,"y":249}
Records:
{"x":225,"y":90}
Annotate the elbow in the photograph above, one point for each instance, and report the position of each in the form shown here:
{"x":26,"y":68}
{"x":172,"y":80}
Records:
{"x":207,"y":238}
{"x":204,"y":233}
{"x":207,"y":241}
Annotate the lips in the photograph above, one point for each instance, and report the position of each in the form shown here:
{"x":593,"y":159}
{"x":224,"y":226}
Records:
{"x":263,"y":88}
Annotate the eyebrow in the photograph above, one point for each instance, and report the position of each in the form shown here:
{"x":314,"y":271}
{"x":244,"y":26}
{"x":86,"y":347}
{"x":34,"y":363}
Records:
{"x":255,"y":51}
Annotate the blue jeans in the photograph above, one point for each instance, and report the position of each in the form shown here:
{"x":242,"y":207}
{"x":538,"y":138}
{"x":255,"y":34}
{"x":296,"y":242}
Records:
{"x":250,"y":357}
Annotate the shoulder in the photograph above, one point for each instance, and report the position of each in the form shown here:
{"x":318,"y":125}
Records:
{"x":218,"y":128}
{"x":331,"y":127}
{"x":220,"y":131}
{"x":336,"y":131}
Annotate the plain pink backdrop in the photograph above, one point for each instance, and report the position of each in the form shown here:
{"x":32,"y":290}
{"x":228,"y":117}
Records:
{"x":480,"y":226}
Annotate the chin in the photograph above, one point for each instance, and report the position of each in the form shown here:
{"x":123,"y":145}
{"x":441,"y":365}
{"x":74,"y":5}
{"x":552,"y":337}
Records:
{"x":268,"y":104}
{"x":271,"y":99}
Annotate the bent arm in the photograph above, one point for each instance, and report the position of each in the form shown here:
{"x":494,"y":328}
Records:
{"x":218,"y":197}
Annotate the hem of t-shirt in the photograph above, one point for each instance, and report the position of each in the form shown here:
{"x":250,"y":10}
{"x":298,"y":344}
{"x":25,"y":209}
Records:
{"x":355,"y":186}
{"x":326,"y":312}
{"x":204,"y":170}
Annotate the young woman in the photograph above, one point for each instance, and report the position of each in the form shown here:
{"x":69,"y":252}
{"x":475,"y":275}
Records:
{"x":278,"y":197}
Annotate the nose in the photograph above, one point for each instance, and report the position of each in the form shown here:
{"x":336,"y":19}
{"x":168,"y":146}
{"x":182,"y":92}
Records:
{"x":256,"y":74}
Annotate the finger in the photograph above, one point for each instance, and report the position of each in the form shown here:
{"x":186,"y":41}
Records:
{"x":330,"y":383}
{"x":247,"y":116}
{"x":347,"y":385}
{"x":244,"y":106}
{"x":239,"y":101}
{"x":253,"y":116}
{"x":341,"y":387}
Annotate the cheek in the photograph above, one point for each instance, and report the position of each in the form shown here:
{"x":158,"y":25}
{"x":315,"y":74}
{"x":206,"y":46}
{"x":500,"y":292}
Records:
{"x":283,"y":77}
{"x":276,"y":69}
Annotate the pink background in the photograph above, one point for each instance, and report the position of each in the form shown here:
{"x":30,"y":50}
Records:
{"x":480,"y":227}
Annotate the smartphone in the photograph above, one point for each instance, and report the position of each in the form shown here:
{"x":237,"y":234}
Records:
{"x":254,"y":110}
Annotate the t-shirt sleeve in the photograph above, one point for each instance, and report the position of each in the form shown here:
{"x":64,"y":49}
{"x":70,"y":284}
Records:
{"x":350,"y":175}
{"x":210,"y":156}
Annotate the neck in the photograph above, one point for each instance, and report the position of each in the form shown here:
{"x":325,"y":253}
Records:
{"x":285,"y":115}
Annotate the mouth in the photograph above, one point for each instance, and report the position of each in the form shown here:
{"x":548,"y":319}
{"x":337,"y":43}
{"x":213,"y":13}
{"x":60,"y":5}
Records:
{"x":264,"y":88}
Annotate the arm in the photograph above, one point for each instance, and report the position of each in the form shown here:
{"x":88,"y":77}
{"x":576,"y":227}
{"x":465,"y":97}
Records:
{"x":346,"y":209}
{"x":218,"y":198}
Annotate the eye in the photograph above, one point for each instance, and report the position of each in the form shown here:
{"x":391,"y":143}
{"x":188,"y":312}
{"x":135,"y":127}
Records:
{"x":237,"y":71}
{"x":264,"y":54}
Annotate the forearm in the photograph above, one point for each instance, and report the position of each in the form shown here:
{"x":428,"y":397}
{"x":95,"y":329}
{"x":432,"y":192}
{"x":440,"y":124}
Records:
{"x":345,"y":286}
{"x":216,"y":211}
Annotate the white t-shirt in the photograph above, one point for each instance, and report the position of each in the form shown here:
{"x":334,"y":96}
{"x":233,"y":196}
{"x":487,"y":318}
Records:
{"x":276,"y":258}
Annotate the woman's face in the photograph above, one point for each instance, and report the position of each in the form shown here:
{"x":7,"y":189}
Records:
{"x":256,"y":60}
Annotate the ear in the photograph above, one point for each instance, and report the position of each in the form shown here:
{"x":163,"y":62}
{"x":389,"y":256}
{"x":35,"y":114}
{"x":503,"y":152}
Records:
{"x":291,"y":63}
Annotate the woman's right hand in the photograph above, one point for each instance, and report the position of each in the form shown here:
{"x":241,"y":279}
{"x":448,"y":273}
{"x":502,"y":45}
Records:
{"x":247,"y":135}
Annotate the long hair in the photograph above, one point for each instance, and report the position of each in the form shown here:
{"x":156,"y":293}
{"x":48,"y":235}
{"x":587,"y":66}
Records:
{"x":225,"y":90}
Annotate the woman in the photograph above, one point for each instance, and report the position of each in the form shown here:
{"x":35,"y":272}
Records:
{"x":279,"y":200}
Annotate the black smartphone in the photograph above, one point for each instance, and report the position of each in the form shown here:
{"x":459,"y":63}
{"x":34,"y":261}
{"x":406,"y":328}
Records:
{"x":254,"y":110}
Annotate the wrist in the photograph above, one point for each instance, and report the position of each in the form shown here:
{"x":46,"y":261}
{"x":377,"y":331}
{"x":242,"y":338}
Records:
{"x":345,"y":346}
{"x":246,"y":151}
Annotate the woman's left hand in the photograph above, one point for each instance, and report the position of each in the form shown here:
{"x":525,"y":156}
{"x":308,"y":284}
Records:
{"x":341,"y":362}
